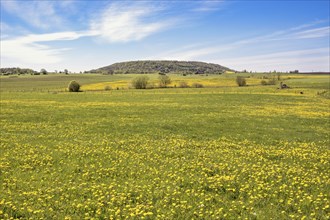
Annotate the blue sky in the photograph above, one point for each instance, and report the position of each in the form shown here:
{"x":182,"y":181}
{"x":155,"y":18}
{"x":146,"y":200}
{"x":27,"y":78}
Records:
{"x":83,"y":35}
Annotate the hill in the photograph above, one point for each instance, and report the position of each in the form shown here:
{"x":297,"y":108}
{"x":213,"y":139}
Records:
{"x":158,"y":66}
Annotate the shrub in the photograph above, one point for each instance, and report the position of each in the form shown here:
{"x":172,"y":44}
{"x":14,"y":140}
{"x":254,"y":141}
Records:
{"x":272,"y":81}
{"x":150,"y":86}
{"x":183,"y":85}
{"x":197,"y":85}
{"x":164,"y":80}
{"x":140,"y":82}
{"x":264,"y":82}
{"x":269,"y":82}
{"x":240,"y":80}
{"x":43,"y":72}
{"x":107,"y":88}
{"x":74,"y":86}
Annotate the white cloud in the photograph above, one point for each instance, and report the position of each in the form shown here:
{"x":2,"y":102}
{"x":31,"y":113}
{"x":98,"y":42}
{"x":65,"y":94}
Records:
{"x":4,"y":27}
{"x":28,"y":53}
{"x":118,"y":23}
{"x":199,"y":52}
{"x":59,"y":36}
{"x":313,"y":33}
{"x":303,"y":26}
{"x":40,"y":14}
{"x":130,"y":22}
{"x":207,"y":6}
{"x":29,"y":50}
{"x":305,"y":60}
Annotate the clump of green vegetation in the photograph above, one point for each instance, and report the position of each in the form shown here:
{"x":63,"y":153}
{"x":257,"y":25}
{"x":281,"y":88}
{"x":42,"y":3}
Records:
{"x":268,"y":82}
{"x":164,"y":80}
{"x":324,"y":93}
{"x":16,"y":71}
{"x":270,"y":79}
{"x":140,"y":82}
{"x":197,"y":85}
{"x":74,"y":86}
{"x":183,"y":84}
{"x":240,"y":80}
{"x":107,"y":88}
{"x":43,"y":72}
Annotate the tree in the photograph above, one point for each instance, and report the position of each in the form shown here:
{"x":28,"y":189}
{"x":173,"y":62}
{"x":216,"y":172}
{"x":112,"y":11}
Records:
{"x":140,"y":82}
{"x":278,"y":76}
{"x":74,"y":86}
{"x":66,"y":72}
{"x":43,"y":72}
{"x":240,"y":80}
{"x":164,"y":80}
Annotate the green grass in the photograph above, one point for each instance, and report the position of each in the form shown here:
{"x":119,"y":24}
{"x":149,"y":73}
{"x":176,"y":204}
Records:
{"x":254,"y":152}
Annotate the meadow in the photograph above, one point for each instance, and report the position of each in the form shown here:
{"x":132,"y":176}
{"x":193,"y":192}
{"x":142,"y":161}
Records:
{"x":219,"y":152}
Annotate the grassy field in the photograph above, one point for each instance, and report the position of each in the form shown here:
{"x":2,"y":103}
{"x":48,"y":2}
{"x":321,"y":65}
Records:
{"x":219,"y":152}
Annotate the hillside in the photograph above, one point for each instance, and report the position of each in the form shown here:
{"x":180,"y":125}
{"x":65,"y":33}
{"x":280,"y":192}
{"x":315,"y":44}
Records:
{"x":188,"y":67}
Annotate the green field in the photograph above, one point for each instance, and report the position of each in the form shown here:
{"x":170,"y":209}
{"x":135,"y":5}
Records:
{"x":219,"y":152}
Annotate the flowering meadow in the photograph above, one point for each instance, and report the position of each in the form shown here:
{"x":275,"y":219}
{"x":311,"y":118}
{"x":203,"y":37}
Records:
{"x":164,"y":154}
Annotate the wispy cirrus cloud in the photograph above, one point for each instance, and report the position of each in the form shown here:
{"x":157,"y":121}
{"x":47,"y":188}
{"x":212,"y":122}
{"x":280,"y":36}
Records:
{"x":308,"y":60}
{"x":26,"y":54}
{"x":122,"y":22}
{"x":119,"y":22}
{"x":39,"y":14}
{"x":58,"y":36}
{"x":312,"y":33}
{"x":134,"y":21}
{"x":196,"y":52}
{"x":29,"y":50}
{"x":208,"y":6}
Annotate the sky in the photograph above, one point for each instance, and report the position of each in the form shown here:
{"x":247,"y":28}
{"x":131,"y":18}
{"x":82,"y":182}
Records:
{"x":242,"y":35}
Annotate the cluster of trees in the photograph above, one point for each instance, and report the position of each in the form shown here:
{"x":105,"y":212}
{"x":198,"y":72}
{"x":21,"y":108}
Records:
{"x":142,"y":82}
{"x":146,"y":67}
{"x":26,"y":71}
{"x":241,"y":80}
{"x":266,"y":79}
{"x":17,"y":71}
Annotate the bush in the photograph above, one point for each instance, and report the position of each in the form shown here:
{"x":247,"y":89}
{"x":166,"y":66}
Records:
{"x":164,"y":80}
{"x":140,"y":82}
{"x":183,"y":85}
{"x":264,"y":82}
{"x":74,"y":86}
{"x":269,"y":82}
{"x":197,"y":85}
{"x":272,"y":81}
{"x":107,"y":88}
{"x":240,"y":80}
{"x":43,"y":72}
{"x":151,"y":86}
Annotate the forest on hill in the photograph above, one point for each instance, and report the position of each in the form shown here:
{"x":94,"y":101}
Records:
{"x":163,"y":67}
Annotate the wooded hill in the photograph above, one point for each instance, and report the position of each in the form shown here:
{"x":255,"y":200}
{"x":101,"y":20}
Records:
{"x":184,"y":67}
